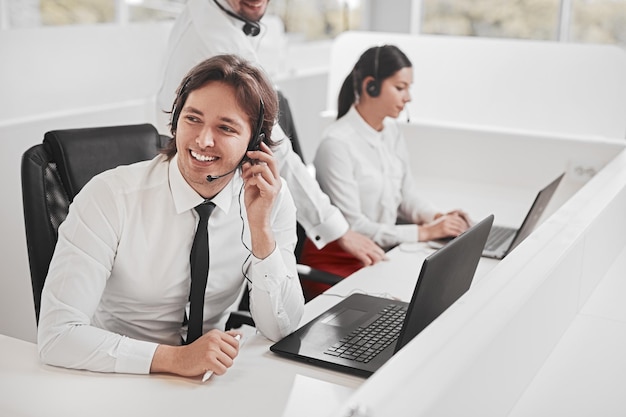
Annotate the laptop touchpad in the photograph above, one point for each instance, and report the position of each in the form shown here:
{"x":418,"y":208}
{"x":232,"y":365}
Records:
{"x":343,"y":317}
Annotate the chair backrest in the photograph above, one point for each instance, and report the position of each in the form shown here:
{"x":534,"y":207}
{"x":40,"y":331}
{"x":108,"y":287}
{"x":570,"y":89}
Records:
{"x":54,"y":171}
{"x":286,"y":122}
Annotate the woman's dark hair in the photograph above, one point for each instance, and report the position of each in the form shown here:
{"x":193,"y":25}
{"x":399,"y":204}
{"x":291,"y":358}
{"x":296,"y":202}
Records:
{"x":380,"y":62}
{"x":252,"y":87}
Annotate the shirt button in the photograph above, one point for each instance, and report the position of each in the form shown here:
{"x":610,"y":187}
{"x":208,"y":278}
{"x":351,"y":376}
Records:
{"x":317,"y":238}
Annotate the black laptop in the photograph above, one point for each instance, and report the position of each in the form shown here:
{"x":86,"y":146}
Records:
{"x":502,"y":239}
{"x":362,"y":332}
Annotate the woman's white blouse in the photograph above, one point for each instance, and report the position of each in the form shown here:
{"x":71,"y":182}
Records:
{"x":366,"y":174}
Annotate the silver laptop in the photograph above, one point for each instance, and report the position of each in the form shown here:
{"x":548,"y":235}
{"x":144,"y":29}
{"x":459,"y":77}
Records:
{"x":360,"y":333}
{"x":502,"y":240}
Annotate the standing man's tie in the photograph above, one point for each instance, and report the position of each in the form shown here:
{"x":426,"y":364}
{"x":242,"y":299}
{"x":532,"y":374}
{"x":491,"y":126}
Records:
{"x":199,"y":272}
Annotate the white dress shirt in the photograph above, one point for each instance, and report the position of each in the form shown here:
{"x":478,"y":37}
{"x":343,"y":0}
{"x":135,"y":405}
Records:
{"x":201,"y":31}
{"x":367,"y":175}
{"x":119,"y":280}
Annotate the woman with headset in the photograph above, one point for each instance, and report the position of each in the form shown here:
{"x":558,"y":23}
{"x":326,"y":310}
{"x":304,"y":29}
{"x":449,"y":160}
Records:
{"x":362,"y":164}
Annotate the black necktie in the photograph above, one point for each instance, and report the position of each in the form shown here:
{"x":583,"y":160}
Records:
{"x":199,"y":272}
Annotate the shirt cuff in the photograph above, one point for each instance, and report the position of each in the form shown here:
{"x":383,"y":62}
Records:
{"x":408,"y":233}
{"x":270,"y":269}
{"x":328,"y":231}
{"x":276,"y":299}
{"x":429,"y":215}
{"x":134,"y":356}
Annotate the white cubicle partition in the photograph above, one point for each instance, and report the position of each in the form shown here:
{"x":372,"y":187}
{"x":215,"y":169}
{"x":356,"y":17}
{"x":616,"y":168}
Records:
{"x":60,"y":78}
{"x":453,"y":164}
{"x":488,"y":115}
{"x":558,"y":88}
{"x":485,"y":351}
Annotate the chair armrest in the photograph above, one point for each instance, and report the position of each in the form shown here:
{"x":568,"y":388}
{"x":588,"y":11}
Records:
{"x":238,"y":318}
{"x":307,"y":273}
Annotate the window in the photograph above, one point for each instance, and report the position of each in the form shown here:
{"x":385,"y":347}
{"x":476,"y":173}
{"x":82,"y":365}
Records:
{"x":33,"y":13}
{"x":598,"y":21}
{"x":528,"y":19}
{"x":317,"y":19}
{"x":151,"y":10}
{"x":303,"y":19}
{"x":593,"y":21}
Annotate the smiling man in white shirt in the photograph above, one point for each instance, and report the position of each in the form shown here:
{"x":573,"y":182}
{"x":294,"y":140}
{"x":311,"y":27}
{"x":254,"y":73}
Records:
{"x":119,"y":282}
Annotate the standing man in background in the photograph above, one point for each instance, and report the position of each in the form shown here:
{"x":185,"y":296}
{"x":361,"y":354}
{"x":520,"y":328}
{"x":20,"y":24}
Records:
{"x":211,"y":27}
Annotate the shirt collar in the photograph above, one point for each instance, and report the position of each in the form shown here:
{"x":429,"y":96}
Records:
{"x":364,"y":130}
{"x":186,"y":198}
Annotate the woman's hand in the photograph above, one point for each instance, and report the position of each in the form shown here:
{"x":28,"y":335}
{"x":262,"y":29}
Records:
{"x":450,"y":224}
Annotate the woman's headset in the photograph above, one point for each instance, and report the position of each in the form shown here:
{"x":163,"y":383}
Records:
{"x":373,"y":87}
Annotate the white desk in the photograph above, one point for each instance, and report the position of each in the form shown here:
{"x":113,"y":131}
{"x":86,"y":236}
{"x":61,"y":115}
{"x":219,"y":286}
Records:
{"x":259,"y":384}
{"x":263,"y":384}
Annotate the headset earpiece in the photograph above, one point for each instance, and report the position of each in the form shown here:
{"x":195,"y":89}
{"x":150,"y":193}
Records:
{"x":258,"y":134}
{"x":250,"y":28}
{"x":255,"y":144}
{"x":373,"y":88}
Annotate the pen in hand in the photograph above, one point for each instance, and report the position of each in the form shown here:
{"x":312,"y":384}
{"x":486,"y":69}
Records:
{"x":208,"y":374}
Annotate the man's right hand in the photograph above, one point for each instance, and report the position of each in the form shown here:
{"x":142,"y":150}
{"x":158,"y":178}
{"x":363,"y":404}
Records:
{"x":213,"y":351}
{"x":361,"y":247}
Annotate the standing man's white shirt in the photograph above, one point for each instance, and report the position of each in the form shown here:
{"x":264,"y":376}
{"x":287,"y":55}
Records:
{"x":203,"y":31}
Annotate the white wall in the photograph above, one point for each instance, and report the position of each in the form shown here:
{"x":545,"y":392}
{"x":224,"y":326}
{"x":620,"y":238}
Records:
{"x":503,"y":83}
{"x":57,"y":78}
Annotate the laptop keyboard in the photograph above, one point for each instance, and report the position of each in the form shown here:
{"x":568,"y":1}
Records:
{"x":364,"y":343}
{"x":497,"y":236}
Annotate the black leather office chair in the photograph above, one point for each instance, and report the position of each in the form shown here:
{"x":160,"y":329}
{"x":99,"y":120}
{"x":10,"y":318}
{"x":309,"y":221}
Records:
{"x":54,"y":171}
{"x":286,"y":122}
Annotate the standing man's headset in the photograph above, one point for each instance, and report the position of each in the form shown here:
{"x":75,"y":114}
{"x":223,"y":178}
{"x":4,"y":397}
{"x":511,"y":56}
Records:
{"x":250,"y":28}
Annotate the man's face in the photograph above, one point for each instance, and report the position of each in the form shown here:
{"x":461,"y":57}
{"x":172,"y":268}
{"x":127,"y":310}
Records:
{"x":252,"y":10}
{"x":212,"y":136}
